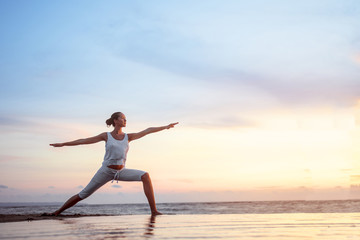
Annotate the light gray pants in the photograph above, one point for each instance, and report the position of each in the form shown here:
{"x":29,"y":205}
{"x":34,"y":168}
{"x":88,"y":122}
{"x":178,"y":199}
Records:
{"x":105,"y":174}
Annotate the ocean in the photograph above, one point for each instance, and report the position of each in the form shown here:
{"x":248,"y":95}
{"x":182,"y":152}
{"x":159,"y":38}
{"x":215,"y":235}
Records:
{"x":251,"y":207}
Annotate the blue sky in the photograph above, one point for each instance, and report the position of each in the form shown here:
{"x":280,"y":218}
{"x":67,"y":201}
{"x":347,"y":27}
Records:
{"x":65,"y":66}
{"x":56,"y":53}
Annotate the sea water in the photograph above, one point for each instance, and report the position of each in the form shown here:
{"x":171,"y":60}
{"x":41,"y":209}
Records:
{"x":252,"y":207}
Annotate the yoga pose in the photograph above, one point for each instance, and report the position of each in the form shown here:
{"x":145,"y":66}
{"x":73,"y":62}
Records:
{"x":113,"y":166}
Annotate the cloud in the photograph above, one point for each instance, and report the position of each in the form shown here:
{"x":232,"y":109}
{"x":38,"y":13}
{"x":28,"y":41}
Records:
{"x":21,"y":124}
{"x":231,"y":121}
{"x":16,"y":121}
{"x":181,"y":180}
{"x":5,"y":158}
{"x":3,"y":186}
{"x":9,"y":121}
{"x":329,"y":91}
{"x":269,"y":187}
{"x":116,"y":186}
{"x":266,"y":193}
{"x":80,"y":187}
{"x":355,"y":178}
{"x":300,"y":72}
{"x":51,"y":187}
{"x":357,"y":58}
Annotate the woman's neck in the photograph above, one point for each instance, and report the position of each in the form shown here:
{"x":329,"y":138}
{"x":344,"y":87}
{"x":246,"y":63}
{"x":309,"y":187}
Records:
{"x":118,"y":130}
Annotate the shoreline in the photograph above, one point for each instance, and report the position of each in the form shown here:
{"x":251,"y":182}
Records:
{"x":4,"y":218}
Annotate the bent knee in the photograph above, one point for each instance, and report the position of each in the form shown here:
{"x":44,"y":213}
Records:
{"x":81,"y":196}
{"x":145,"y":177}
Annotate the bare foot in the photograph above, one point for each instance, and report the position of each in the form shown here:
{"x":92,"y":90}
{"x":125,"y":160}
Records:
{"x":156,"y":213}
{"x":56,"y":213}
{"x":47,"y":214}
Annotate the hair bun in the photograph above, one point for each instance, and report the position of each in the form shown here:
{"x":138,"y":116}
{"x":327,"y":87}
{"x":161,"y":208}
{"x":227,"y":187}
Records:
{"x":109,"y":122}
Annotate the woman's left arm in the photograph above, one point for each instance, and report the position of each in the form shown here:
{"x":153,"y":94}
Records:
{"x":134,"y":136}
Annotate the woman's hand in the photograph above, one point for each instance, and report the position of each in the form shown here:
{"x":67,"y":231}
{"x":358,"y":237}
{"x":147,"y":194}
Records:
{"x":57,"y":144}
{"x":171,"y":125}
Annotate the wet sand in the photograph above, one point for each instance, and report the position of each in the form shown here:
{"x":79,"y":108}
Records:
{"x":34,"y":217}
{"x":325,"y":226}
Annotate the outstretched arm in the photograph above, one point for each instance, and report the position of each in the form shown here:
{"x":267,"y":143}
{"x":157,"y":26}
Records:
{"x":90,"y":140}
{"x":134,"y":136}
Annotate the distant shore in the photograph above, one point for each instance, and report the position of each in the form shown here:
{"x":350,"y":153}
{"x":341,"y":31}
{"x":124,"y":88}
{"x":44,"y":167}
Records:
{"x":33,"y":217}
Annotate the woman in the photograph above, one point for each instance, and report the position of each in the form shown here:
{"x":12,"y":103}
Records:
{"x":113,"y":166}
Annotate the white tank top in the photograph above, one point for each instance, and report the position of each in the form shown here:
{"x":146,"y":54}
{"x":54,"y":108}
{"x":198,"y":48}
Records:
{"x":115,"y":150}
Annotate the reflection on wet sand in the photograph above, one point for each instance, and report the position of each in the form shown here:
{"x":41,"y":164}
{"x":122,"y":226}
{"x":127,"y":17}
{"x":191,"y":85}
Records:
{"x":149,"y":230}
{"x":329,"y":226}
{"x":108,"y":230}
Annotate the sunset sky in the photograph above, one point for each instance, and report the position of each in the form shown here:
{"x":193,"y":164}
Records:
{"x":267,"y":94}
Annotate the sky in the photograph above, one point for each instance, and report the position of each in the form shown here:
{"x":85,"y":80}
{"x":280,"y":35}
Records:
{"x":267,"y":94}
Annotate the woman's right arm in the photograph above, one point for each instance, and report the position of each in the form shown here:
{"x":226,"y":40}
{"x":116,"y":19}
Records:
{"x":90,"y":140}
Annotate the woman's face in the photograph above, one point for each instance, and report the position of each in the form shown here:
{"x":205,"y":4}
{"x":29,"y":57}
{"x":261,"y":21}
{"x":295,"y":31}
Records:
{"x":121,"y":121}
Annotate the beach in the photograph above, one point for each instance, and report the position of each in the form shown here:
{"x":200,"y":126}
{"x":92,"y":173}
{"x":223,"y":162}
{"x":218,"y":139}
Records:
{"x":200,"y":226}
{"x":208,"y":220}
{"x":34,"y":217}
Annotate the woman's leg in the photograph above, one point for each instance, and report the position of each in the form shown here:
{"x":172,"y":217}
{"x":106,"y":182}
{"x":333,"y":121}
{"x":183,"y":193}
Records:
{"x":69,"y":203}
{"x":137,"y":175}
{"x":149,"y":193}
{"x":99,"y":179}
